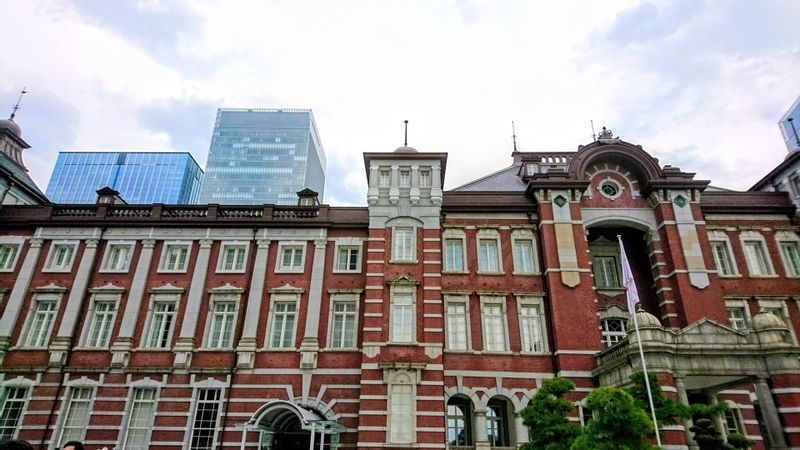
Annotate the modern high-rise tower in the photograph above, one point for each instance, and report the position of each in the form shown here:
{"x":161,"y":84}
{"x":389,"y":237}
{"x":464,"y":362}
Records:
{"x":790,"y":126}
{"x":260,"y":156}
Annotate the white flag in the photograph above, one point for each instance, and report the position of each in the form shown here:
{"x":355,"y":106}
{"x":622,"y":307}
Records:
{"x":627,"y":279}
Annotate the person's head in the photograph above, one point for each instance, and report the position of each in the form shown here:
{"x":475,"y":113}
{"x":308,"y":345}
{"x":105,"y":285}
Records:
{"x":16,"y":444}
{"x":73,"y":445}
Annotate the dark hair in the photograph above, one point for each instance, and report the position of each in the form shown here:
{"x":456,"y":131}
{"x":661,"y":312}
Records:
{"x":77,"y":445}
{"x":16,"y":444}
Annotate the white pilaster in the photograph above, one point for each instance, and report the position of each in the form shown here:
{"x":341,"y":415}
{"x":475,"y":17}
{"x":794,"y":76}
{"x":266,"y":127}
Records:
{"x":124,"y":341}
{"x":185,"y":343}
{"x":21,"y":285}
{"x":310,"y":345}
{"x":247,"y":343}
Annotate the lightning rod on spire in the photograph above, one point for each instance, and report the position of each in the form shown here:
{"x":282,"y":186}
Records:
{"x":405,"y":141}
{"x":514,"y":135}
{"x":16,"y":107}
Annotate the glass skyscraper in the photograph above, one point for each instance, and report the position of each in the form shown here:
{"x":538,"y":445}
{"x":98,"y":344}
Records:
{"x":139,"y":177}
{"x":260,"y":156}
{"x":791,"y":128}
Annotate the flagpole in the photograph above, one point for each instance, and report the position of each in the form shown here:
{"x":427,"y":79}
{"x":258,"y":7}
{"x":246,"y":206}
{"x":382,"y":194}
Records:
{"x":628,"y":279}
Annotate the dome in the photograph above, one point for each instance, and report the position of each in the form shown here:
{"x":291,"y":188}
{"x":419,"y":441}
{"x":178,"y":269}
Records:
{"x":405,"y":149}
{"x":645,"y":320}
{"x":11,"y":126}
{"x":765,"y":320}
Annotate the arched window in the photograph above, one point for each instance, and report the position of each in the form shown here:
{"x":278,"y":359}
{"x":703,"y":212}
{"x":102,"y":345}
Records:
{"x":613,"y":331}
{"x":497,"y":423}
{"x":459,"y":421}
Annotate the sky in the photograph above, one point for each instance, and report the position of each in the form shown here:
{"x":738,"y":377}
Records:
{"x":699,"y":84}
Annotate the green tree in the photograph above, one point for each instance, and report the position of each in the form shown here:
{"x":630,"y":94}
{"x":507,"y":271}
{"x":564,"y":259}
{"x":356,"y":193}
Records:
{"x":740,"y":441}
{"x":705,"y":431}
{"x":618,"y":423}
{"x":546,"y":419}
{"x":668,"y":411}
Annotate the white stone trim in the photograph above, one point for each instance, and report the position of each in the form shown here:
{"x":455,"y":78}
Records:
{"x":48,"y":265}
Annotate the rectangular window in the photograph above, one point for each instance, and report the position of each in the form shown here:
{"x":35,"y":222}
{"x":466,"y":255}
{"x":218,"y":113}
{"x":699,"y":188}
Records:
{"x":206,"y":414}
{"x":11,"y":411}
{"x":403,"y":244}
{"x":530,"y":319}
{"x":756,"y":258}
{"x":737,"y":317}
{"x":791,"y":258}
{"x":175,"y":257}
{"x":283,"y":325}
{"x":61,"y":257}
{"x":402,"y":413}
{"x":347,"y":259}
{"x":523,"y":255}
{"x":343,"y":334}
{"x":161,"y":324}
{"x":41,"y":322}
{"x":8,"y":255}
{"x":488,"y":256}
{"x":385,"y":179}
{"x":453,"y":255}
{"x":292,"y":258}
{"x":118,"y":257}
{"x":613,"y":331}
{"x":102,"y":322}
{"x":402,"y":317}
{"x":223,"y":317}
{"x":494,"y":330}
{"x":140,"y":419}
{"x":77,"y":415}
{"x":456,"y":322}
{"x":722,"y":258}
{"x":232,"y":258}
{"x":424,"y":179}
{"x":405,"y":178}
{"x":605,"y":272}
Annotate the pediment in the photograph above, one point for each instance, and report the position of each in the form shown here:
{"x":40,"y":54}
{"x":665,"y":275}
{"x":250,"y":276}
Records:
{"x":108,"y":288}
{"x":708,"y":326}
{"x":286,"y":289}
{"x":403,"y":280}
{"x":167,"y":288}
{"x":226,"y":289}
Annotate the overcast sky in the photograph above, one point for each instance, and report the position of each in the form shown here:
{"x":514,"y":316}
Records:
{"x":699,"y":84}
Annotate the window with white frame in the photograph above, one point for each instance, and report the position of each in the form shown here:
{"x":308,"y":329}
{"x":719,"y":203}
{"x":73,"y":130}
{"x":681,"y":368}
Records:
{"x":174,"y":257}
{"x":733,"y":421}
{"x":613,"y":330}
{"x":453,"y":250}
{"x":284,"y":317}
{"x":101,"y":319}
{"x":292,"y":257}
{"x":61,"y":256}
{"x":606,"y":272}
{"x":384,"y":178}
{"x":140,"y":418}
{"x":755,"y":254}
{"x":40,"y":321}
{"x":403,"y":316}
{"x":405,"y":178}
{"x":723,"y":257}
{"x":8,"y":256}
{"x":523,"y":250}
{"x":163,"y":307}
{"x":531,"y":325}
{"x":222,"y":319}
{"x":206,"y":416}
{"x":401,"y":409}
{"x":344,"y":317}
{"x":76,"y":416}
{"x":489,"y":252}
{"x":790,"y":253}
{"x":403,"y":248}
{"x":424,"y":178}
{"x":117,"y":257}
{"x":456,"y":321}
{"x":494,"y":324}
{"x":232,"y":257}
{"x":348,"y":258}
{"x":13,"y":405}
{"x":737,"y":317}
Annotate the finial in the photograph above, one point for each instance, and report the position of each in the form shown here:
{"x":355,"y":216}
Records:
{"x":405,"y":142}
{"x":514,"y":135}
{"x":16,"y":107}
{"x":594,"y":136}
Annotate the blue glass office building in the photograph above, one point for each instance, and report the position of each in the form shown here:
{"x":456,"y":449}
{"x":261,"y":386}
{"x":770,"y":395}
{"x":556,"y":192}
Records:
{"x":790,"y":134}
{"x":260,"y":156}
{"x":140,"y":177}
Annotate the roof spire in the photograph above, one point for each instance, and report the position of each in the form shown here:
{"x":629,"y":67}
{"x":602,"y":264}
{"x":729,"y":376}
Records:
{"x":405,"y":142}
{"x":514,"y":135}
{"x":16,"y":107}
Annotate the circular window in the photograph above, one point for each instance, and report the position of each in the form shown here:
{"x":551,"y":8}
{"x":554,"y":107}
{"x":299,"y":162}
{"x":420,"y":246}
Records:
{"x":609,"y":189}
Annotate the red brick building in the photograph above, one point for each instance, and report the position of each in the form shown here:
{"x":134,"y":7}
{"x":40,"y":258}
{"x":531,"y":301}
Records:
{"x":425,"y":320}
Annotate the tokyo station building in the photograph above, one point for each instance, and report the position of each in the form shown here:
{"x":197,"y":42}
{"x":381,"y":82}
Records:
{"x":425,"y":320}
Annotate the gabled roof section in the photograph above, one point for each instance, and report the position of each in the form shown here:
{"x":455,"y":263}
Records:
{"x":18,"y":175}
{"x":503,"y":180}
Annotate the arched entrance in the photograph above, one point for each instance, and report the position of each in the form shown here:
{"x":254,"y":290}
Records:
{"x":282,"y":425}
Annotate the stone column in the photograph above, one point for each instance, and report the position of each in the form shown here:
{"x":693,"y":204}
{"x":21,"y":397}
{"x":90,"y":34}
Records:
{"x":372,"y":192}
{"x":310,"y":345}
{"x":719,"y":420}
{"x":436,"y":185}
{"x":63,"y":340}
{"x":124,"y":342}
{"x":394,"y":189}
{"x":769,"y":412}
{"x":479,"y":430}
{"x":185,"y":343}
{"x":683,"y":399}
{"x":414,"y":192}
{"x":15,"y":299}
{"x":247,"y":343}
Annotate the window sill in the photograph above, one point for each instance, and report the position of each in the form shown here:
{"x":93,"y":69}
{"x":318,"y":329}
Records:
{"x":402,"y":344}
{"x":495,"y":274}
{"x":281,"y":349}
{"x":529,"y":274}
{"x":57,"y":270}
{"x":455,"y":272}
{"x":113,"y":270}
{"x":494,"y":352}
{"x":459,"y":351}
{"x":296,"y":271}
{"x":91,"y":349}
{"x":403,"y":261}
{"x":230,"y":271}
{"x":153,"y":350}
{"x":26,"y":348}
{"x":345,"y":271}
{"x":171,"y":271}
{"x":729,"y":276}
{"x":764,"y":276}
{"x":214,"y":349}
{"x":342,"y":349}
{"x":611,"y":292}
